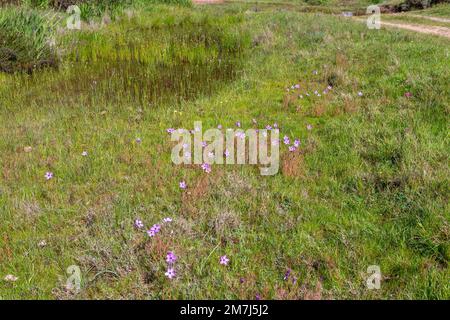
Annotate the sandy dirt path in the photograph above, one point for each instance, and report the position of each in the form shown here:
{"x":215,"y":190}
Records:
{"x":434,"y":30}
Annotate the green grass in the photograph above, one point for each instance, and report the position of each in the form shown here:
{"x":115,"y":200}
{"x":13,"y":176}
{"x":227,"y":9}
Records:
{"x":369,"y":187}
{"x":441,"y":10}
{"x":26,"y":40}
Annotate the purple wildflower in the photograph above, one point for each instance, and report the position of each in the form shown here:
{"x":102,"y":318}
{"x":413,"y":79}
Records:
{"x":238,"y":124}
{"x":48,"y":175}
{"x":292,"y":148}
{"x":360,"y":94}
{"x":138,"y":224}
{"x":183,"y":184}
{"x":206,"y":167}
{"x":170,"y":273}
{"x":170,"y":130}
{"x":287,"y":274}
{"x":269,"y":127}
{"x":224,"y":260}
{"x":151,"y":233}
{"x":286,"y":140}
{"x":258,"y":296}
{"x":154,"y":229}
{"x":165,"y":220}
{"x":171,"y":257}
{"x":296,"y":143}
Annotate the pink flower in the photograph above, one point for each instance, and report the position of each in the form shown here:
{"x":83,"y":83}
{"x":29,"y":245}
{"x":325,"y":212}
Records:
{"x":309,"y":127}
{"x":360,"y":94}
{"x":292,"y":148}
{"x":296,"y":143}
{"x":286,"y":140}
{"x":171,"y":257}
{"x":183,"y":185}
{"x":170,"y":273}
{"x":48,"y":175}
{"x":138,"y":224}
{"x":238,"y":124}
{"x":206,"y":167}
{"x":170,"y":130}
{"x":224,"y":260}
{"x":408,"y":94}
{"x":151,"y":233}
{"x":166,"y":220}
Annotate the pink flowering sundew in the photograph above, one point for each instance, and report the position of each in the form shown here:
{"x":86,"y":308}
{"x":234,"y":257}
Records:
{"x":183,"y":185}
{"x":151,"y":233}
{"x":224,"y":260}
{"x":296,"y":143}
{"x":138,"y":224}
{"x":292,"y":148}
{"x":48,"y":175}
{"x":286,"y":140}
{"x":170,"y":273}
{"x":297,"y":86}
{"x":219,"y":126}
{"x":171,"y":257}
{"x":329,"y":88}
{"x":408,"y":94}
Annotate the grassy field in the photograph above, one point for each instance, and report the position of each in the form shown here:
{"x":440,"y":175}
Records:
{"x":368,"y":185}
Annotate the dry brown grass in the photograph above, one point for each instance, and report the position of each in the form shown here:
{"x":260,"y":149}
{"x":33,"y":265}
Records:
{"x":292,"y":164}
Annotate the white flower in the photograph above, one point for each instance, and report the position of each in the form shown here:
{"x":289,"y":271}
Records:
{"x":11,"y":278}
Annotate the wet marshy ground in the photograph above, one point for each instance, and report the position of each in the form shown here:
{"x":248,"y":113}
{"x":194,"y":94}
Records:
{"x":149,"y":65}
